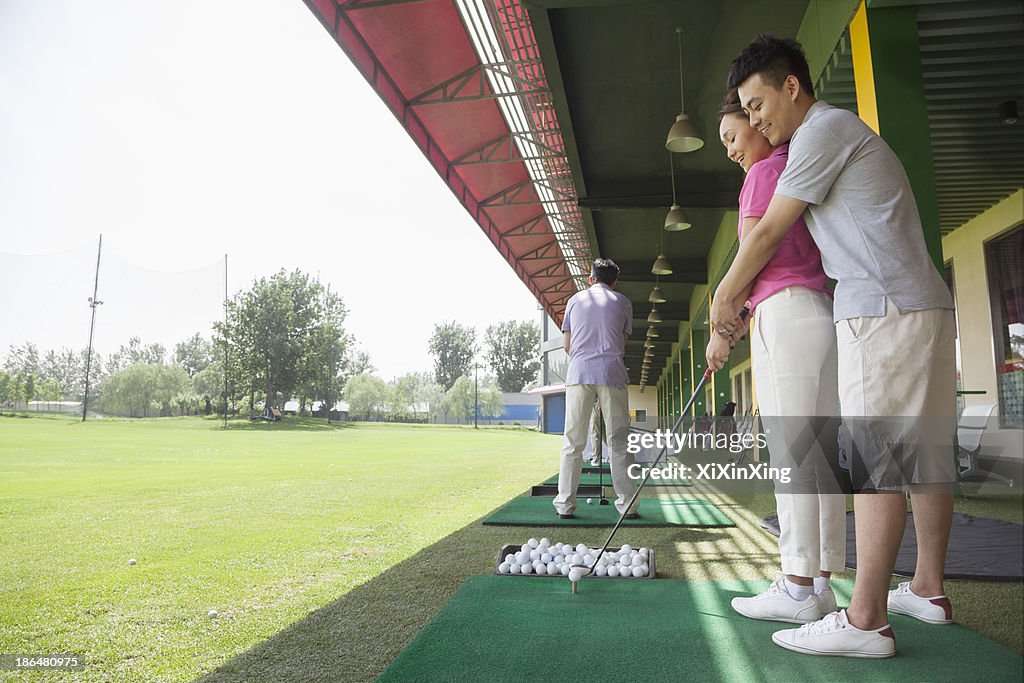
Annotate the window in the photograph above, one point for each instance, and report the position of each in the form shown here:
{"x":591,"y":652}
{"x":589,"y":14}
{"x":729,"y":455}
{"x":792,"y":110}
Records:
{"x":1004,"y":260}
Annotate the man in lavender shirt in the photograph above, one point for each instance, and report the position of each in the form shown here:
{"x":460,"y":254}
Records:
{"x":596,"y":325}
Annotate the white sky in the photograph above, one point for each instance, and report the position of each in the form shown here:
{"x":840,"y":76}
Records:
{"x":186,"y":130}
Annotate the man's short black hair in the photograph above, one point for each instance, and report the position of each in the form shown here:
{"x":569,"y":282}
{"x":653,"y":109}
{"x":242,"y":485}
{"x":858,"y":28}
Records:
{"x":604,"y":270}
{"x":775,"y":59}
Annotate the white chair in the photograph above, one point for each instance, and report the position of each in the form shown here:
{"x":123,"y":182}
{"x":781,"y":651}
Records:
{"x":969,"y":430}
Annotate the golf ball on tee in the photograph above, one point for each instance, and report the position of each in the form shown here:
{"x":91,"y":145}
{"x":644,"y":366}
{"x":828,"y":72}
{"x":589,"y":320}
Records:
{"x":575,"y":575}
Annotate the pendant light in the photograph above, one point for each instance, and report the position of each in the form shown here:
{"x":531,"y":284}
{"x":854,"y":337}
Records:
{"x":683,"y":136}
{"x":676,"y":218}
{"x":654,"y":316}
{"x":661,"y":266}
{"x":652,"y":331}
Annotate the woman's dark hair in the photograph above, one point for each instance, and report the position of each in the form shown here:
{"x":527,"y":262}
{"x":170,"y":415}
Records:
{"x":730,"y":105}
{"x":775,"y":59}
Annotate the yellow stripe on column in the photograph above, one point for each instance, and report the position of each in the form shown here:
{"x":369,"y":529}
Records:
{"x":863,"y":74}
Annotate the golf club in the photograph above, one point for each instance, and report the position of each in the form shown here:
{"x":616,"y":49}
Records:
{"x":744,"y":312}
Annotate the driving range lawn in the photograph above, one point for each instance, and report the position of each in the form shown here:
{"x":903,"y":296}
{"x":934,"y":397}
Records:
{"x":262,"y":523}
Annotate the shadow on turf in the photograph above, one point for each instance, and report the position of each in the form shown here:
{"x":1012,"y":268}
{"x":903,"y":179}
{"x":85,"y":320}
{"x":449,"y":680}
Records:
{"x":355,"y":637}
{"x":301,"y":424}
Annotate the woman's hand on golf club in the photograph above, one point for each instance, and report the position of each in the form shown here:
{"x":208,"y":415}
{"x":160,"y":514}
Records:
{"x":717,"y":353}
{"x":724,"y":316}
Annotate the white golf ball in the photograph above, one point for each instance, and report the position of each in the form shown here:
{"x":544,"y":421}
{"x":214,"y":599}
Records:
{"x":646,"y":568}
{"x":509,"y":558}
{"x":613,"y":570}
{"x":504,"y":568}
{"x":575,"y":575}
{"x":638,"y":572}
{"x":576,"y":559}
{"x":559,"y":558}
{"x":582,"y":549}
{"x":601,"y":570}
{"x":589,"y":560}
{"x":513,"y":568}
{"x":626,"y":548}
{"x":522,"y":557}
{"x":636,"y":561}
{"x":526,"y":569}
{"x":552,"y":569}
{"x":212,"y":613}
{"x":545,"y":541}
{"x":564,"y":570}
{"x":646,"y":552}
{"x":546,"y":557}
{"x":533,"y":542}
{"x":590,"y":501}
{"x":131,"y":562}
{"x":534,"y":555}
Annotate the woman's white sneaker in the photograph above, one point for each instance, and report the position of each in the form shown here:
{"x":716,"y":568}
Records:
{"x":827,"y":601}
{"x":776,"y":604}
{"x":834,"y":636}
{"x":934,"y":610}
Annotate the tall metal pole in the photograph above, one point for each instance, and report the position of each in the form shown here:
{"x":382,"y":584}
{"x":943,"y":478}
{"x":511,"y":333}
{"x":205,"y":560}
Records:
{"x":225,"y":341}
{"x":330,"y":357}
{"x":476,"y":404}
{"x":93,"y":303}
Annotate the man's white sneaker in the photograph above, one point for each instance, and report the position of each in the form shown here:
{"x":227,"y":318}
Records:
{"x":827,"y":601}
{"x":834,"y":636}
{"x":776,"y":604}
{"x":936,"y":610}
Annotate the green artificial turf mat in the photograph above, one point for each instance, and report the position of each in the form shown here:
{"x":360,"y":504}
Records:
{"x":498,"y":628}
{"x":597,"y":480}
{"x":675,"y":511}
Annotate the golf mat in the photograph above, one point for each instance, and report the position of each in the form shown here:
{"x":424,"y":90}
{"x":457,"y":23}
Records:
{"x":694,"y":512}
{"x":979,"y":547}
{"x":496,"y":629}
{"x":606,"y":479}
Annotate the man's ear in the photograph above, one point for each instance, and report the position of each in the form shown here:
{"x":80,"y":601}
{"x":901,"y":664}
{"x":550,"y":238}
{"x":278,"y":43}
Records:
{"x":791,"y":87}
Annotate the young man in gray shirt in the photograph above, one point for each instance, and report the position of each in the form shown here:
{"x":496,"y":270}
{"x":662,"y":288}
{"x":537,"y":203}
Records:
{"x":895,"y":334}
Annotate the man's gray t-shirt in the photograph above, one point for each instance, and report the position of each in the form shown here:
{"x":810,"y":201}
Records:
{"x":862,"y":215}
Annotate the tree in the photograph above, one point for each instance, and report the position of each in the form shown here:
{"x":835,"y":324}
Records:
{"x":144,"y":389}
{"x":6,"y":389}
{"x":430,"y":396}
{"x":276,"y":332}
{"x":67,"y":370}
{"x":366,"y":395}
{"x":194,"y":354}
{"x":29,"y":388}
{"x":452,"y":346}
{"x":23,"y":360}
{"x":512,"y":352}
{"x":402,"y":394}
{"x":460,"y":398}
{"x":136,"y":352}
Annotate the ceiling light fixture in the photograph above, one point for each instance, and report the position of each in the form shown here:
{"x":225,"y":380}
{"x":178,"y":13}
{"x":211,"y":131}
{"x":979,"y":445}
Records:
{"x":676,"y":219}
{"x":683,"y":136}
{"x":1008,"y":112}
{"x":654,"y":316}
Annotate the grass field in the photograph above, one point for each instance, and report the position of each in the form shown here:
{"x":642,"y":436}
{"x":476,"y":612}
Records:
{"x":262,"y":523}
{"x":324,"y":550}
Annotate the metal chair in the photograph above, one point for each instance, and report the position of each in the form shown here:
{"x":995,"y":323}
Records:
{"x":969,"y":430}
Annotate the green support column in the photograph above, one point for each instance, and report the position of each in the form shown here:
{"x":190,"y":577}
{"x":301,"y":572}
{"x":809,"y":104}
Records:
{"x":723,"y":388}
{"x":675,"y":389}
{"x":891,"y":99}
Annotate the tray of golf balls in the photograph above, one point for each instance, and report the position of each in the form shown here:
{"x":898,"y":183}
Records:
{"x":542,"y":559}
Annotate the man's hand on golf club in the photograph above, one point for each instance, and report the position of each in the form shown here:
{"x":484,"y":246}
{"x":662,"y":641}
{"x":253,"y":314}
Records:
{"x":717,"y":353}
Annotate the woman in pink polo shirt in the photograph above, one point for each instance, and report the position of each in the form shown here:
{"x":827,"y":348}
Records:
{"x":793,"y":352}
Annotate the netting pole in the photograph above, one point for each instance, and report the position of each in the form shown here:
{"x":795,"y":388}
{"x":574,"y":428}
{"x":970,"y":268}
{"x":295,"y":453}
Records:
{"x":93,"y":303}
{"x":225,"y":341}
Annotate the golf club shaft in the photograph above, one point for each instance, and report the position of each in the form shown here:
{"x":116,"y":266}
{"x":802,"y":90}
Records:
{"x":636,"y":494}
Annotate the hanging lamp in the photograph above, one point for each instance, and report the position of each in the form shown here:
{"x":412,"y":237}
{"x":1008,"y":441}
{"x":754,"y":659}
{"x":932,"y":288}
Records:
{"x":683,"y":136}
{"x":676,"y":219}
